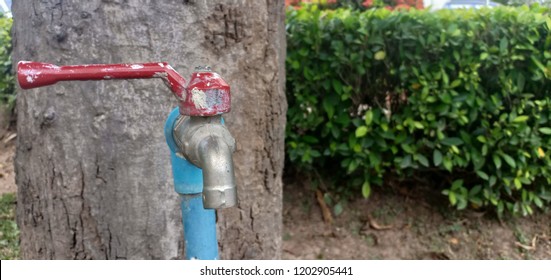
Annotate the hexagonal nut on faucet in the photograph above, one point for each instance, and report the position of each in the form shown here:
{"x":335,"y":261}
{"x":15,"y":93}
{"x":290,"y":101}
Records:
{"x":219,"y":197}
{"x":207,"y":94}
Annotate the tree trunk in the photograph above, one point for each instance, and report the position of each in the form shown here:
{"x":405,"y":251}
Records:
{"x":93,"y":170}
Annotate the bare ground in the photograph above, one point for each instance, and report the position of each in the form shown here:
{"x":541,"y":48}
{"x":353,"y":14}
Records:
{"x":389,"y":225}
{"x":394,"y":225}
{"x":7,"y":175}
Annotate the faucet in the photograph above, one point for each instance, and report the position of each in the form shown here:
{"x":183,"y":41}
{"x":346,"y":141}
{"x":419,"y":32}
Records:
{"x":206,"y":143}
{"x":201,"y":146}
{"x":203,"y":139}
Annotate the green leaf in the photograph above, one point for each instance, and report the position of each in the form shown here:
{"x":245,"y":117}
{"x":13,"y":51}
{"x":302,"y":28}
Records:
{"x":449,"y":141}
{"x":437,"y":157}
{"x":352,"y":166}
{"x":380,"y":55}
{"x":520,"y":119}
{"x":503,"y":44}
{"x":447,"y":164}
{"x":310,"y":139}
{"x":406,"y":162}
{"x":518,"y":184}
{"x":453,"y":198}
{"x":368,"y":117}
{"x":538,"y":64}
{"x":475,"y":190}
{"x":497,"y":161}
{"x":455,"y":83}
{"x":521,"y":81}
{"x":545,"y":130}
{"x":461,"y":204}
{"x":457,"y":184}
{"x":328,"y":107}
{"x":337,"y":86}
{"x":423,"y":160}
{"x":361,"y":131}
{"x":482,"y":175}
{"x":492,"y":180}
{"x":483,"y":56}
{"x":407,"y":148}
{"x":500,"y":207}
{"x":418,"y":125}
{"x":538,"y":202}
{"x":374,"y":159}
{"x":509,"y":160}
{"x":337,"y":209}
{"x":366,"y":189}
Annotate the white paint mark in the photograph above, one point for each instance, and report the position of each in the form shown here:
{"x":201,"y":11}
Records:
{"x":107,"y":77}
{"x":199,"y":98}
{"x":208,"y":84}
{"x":162,"y":65}
{"x":160,"y":75}
{"x":31,"y":75}
{"x":51,"y":66}
{"x":136,"y":66}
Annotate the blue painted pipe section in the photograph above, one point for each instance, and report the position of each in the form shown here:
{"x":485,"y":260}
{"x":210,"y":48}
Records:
{"x":199,"y":223}
{"x":188,"y":178}
{"x":199,"y":229}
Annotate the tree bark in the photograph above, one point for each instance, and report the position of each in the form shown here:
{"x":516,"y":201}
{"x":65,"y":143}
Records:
{"x":93,"y":170}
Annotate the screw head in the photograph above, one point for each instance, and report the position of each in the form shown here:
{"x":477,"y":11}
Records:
{"x":204,"y":68}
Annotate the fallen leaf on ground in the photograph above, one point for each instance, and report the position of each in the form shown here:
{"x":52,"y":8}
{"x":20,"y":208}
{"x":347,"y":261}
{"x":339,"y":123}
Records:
{"x":325,"y":211}
{"x":531,"y":247}
{"x":9,"y":138}
{"x":375,"y":225}
{"x":454,"y":241}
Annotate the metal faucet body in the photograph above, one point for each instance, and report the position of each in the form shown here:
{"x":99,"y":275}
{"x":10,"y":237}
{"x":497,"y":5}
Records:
{"x":207,"y":143}
{"x":201,"y":147}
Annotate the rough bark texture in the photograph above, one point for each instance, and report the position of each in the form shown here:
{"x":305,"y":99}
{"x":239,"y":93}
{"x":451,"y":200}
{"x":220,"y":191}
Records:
{"x":93,"y":169}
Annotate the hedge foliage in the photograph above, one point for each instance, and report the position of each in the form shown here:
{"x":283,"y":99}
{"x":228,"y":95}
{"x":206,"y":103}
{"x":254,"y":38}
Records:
{"x":458,"y":97}
{"x":7,"y":92}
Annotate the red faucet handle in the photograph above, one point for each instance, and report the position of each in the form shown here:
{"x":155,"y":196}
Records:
{"x":37,"y":74}
{"x":32,"y":74}
{"x":207,"y":94}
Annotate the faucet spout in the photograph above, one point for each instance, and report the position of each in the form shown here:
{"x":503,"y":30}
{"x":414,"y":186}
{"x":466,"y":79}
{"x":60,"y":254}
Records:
{"x":207,"y":143}
{"x":215,"y":158}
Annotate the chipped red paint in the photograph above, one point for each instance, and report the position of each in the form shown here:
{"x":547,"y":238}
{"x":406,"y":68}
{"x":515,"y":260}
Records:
{"x":206,"y":95}
{"x":37,"y":74}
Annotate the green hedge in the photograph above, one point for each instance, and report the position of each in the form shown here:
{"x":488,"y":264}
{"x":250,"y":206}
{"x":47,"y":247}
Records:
{"x":458,"y":97}
{"x":7,"y":93}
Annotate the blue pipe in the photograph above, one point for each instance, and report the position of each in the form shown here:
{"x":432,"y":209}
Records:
{"x":199,"y":223}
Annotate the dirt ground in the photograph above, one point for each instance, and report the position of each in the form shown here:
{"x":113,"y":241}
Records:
{"x":393,"y":225}
{"x":389,"y":225}
{"x":7,"y":175}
